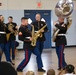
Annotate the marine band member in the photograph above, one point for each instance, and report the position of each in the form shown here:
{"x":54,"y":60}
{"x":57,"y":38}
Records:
{"x":25,"y":36}
{"x":61,"y":40}
{"x":12,"y":37}
{"x":38,"y":24}
{"x":3,"y":40}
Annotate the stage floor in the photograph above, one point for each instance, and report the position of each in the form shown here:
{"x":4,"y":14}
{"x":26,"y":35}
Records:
{"x":49,"y":59}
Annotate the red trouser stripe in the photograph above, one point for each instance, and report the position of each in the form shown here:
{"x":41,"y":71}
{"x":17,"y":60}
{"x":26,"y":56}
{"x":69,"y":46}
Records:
{"x":26,"y":57}
{"x":61,"y":56}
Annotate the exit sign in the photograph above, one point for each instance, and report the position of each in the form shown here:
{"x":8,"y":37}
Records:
{"x":39,"y":4}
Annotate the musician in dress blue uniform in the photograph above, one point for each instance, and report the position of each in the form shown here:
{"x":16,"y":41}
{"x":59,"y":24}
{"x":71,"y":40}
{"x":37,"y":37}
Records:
{"x":4,"y":47}
{"x":38,"y":24}
{"x":12,"y":37}
{"x":25,"y":36}
{"x":61,"y":40}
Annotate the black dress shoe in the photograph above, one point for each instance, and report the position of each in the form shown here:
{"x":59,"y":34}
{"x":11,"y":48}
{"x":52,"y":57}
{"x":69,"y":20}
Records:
{"x":41,"y":70}
{"x":19,"y":70}
{"x":59,"y":68}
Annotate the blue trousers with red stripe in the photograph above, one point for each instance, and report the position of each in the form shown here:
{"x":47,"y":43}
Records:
{"x":27,"y":58}
{"x":60,"y":55}
{"x":5,"y":49}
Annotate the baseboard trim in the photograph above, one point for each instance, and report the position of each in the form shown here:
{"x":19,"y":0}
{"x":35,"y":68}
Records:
{"x":67,"y":46}
{"x":54,"y":47}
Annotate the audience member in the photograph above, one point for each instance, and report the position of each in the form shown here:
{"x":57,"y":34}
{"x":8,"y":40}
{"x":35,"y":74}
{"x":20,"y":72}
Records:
{"x":69,"y":70}
{"x":7,"y":69}
{"x":50,"y":72}
{"x":30,"y":73}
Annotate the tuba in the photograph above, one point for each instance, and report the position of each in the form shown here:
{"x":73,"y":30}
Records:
{"x":63,"y":9}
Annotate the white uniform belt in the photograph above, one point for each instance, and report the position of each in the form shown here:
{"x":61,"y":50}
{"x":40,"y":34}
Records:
{"x":27,"y":37}
{"x":36,"y":31}
{"x":61,"y":35}
{"x":2,"y":32}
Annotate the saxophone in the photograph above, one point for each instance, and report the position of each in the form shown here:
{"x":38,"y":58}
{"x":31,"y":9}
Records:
{"x":63,"y":9}
{"x":36,"y":35}
{"x":10,"y":28}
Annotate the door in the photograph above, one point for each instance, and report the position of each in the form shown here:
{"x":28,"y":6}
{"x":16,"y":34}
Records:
{"x":45,"y":16}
